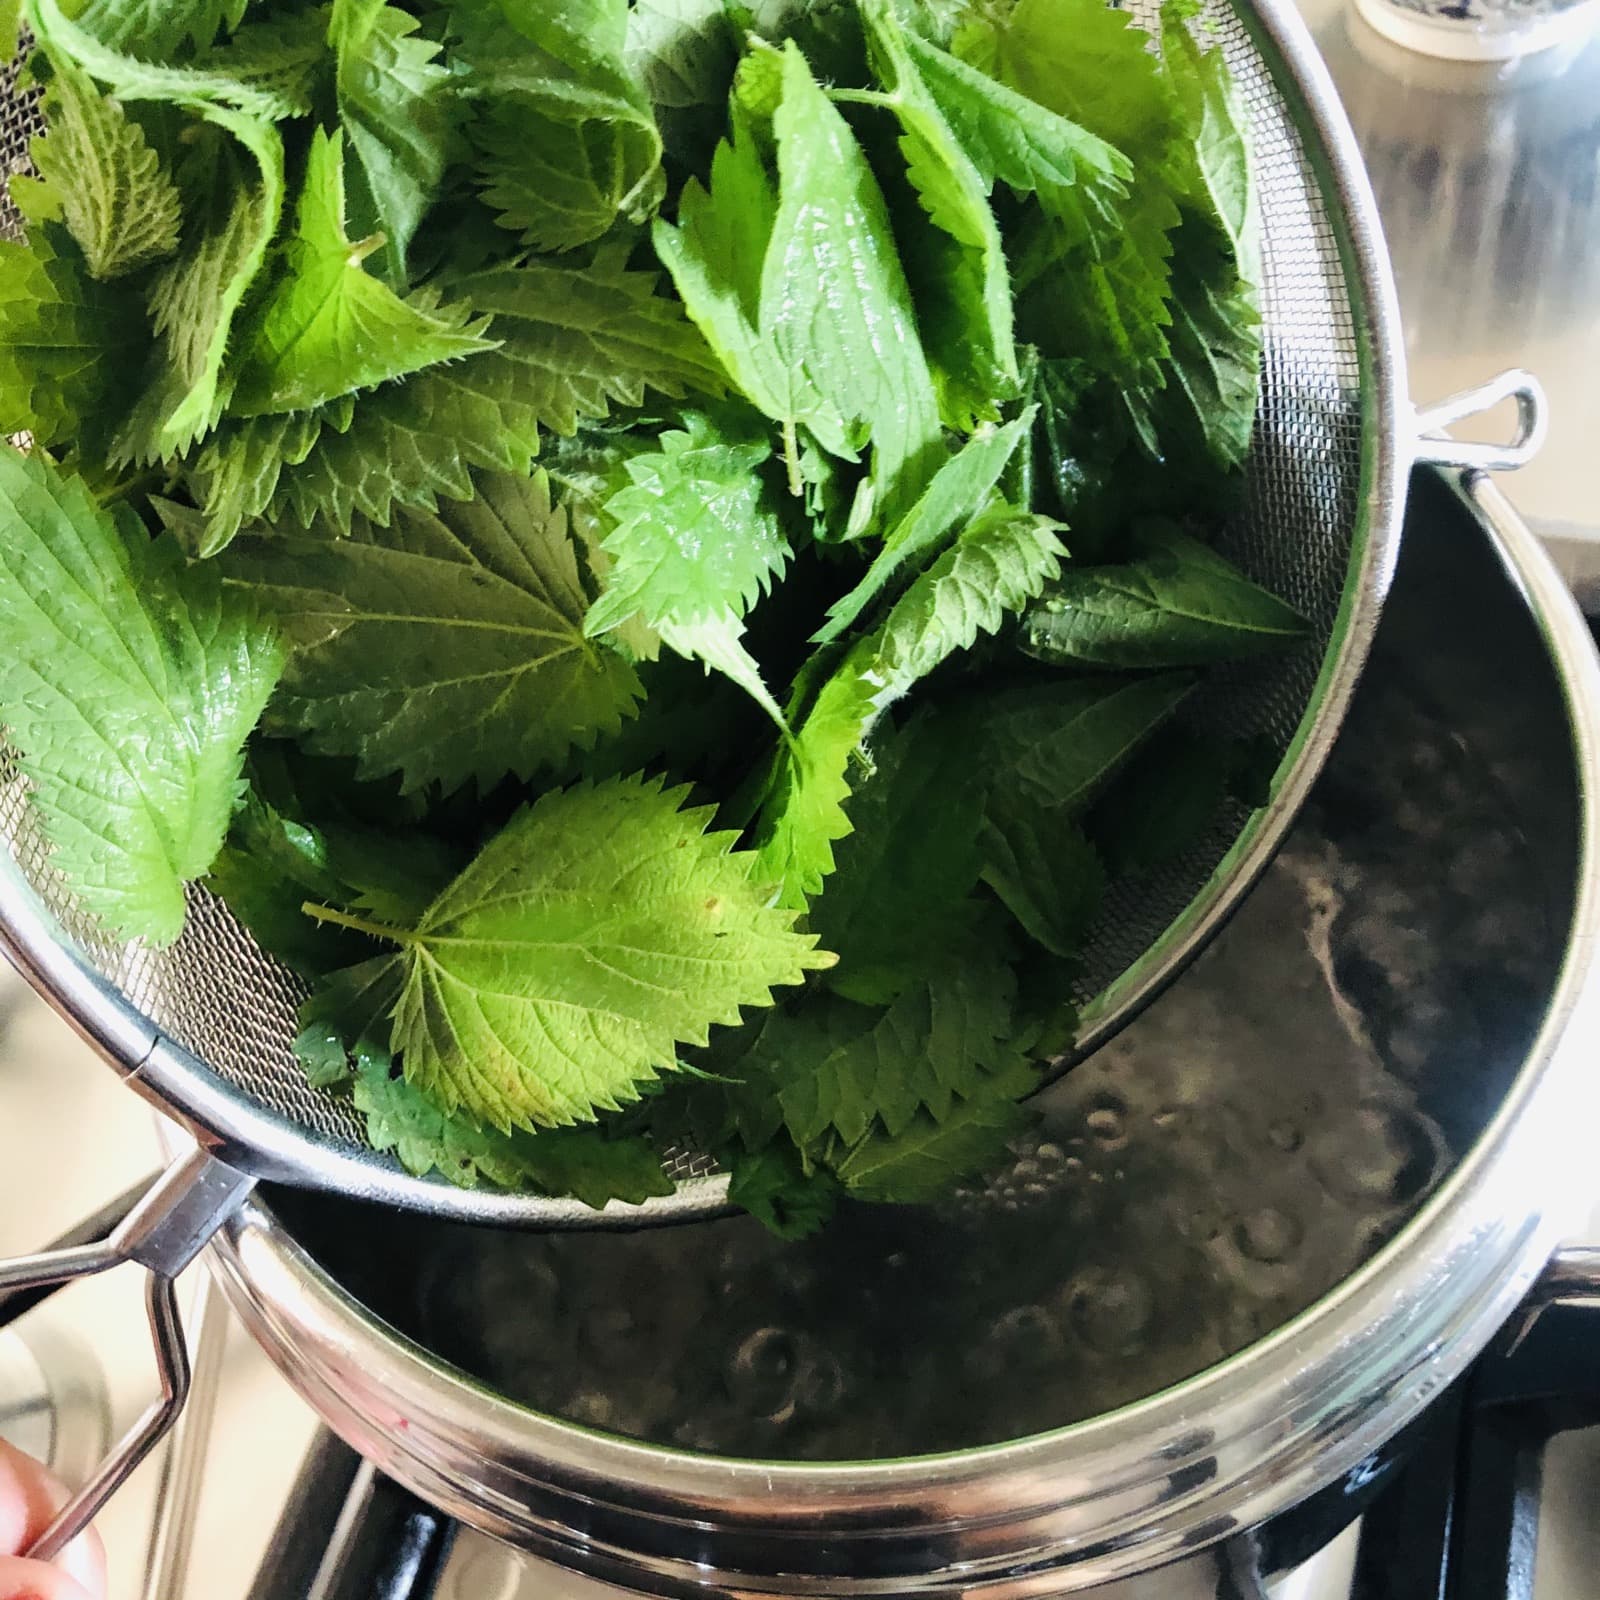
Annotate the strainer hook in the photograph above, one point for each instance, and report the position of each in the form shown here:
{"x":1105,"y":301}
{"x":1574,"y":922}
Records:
{"x":163,"y":1233}
{"x":1435,"y":446}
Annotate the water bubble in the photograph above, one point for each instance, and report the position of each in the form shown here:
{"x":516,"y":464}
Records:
{"x":1111,"y":1309}
{"x":593,"y":1408}
{"x":1166,"y":1117}
{"x":1025,"y":1337}
{"x":1107,"y":1121}
{"x":1384,"y":1155}
{"x":760,"y":1374}
{"x":1203,"y":1223}
{"x":1268,"y":1234}
{"x":820,"y":1383}
{"x":1051,"y":1157}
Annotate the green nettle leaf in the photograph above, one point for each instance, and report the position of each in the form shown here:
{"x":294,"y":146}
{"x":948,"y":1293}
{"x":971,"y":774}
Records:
{"x":1181,"y":605}
{"x":195,"y":298}
{"x":584,"y":339}
{"x":684,"y":53}
{"x":944,"y":1040}
{"x":956,"y":262}
{"x":695,"y":533}
{"x":803,"y":812}
{"x":560,"y":181}
{"x":1056,"y":743}
{"x":959,"y":490}
{"x":997,"y":564}
{"x":281,"y":59}
{"x":566,"y":137}
{"x":596,"y":933}
{"x":1215,"y":379}
{"x":154,"y":29}
{"x":236,"y":472}
{"x":67,"y":342}
{"x":572,"y":343}
{"x":1212,"y":170}
{"x":328,"y":327}
{"x":1043,"y":869}
{"x":1082,"y":59}
{"x":129,"y":684}
{"x":131,"y":75}
{"x":898,"y":899}
{"x":834,"y":299}
{"x":1024,"y":142}
{"x":1000,"y":561}
{"x":408,"y":444}
{"x":926,"y":1159}
{"x":584,"y":1162}
{"x":1092,"y":266}
{"x":398,"y":106}
{"x":1214,"y":363}
{"x":449,"y":647}
{"x":715,"y":255}
{"x":118,"y":200}
{"x":773,"y":1186}
{"x":801,"y":294}
{"x":696,"y":542}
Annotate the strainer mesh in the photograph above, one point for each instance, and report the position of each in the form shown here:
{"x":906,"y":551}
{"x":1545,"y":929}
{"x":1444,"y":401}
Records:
{"x":1298,"y":521}
{"x":215,"y":993}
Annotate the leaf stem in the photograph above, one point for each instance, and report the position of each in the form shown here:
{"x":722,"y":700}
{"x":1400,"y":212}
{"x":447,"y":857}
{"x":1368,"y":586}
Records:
{"x":791,"y":458}
{"x":863,"y":97}
{"x":343,"y":919}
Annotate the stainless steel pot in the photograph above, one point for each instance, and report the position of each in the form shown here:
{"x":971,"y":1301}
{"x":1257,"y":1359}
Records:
{"x":1463,"y":1118}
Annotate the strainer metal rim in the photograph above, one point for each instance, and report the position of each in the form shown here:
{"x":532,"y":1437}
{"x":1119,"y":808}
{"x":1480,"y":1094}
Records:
{"x":1336,"y":161}
{"x":231,"y":1125}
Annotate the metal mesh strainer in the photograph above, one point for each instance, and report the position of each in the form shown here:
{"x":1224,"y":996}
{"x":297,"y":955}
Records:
{"x":204,"y":1028}
{"x":1318,"y":526}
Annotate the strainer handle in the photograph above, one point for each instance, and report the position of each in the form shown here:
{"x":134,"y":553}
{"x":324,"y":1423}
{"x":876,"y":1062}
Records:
{"x":163,"y":1233}
{"x":1437,"y":448}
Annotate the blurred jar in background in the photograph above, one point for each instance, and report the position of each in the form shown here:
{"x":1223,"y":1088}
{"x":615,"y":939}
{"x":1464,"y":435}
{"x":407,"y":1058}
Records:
{"x":1481,"y":30}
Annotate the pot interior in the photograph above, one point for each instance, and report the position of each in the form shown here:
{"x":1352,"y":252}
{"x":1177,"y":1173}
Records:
{"x":1218,"y":1167}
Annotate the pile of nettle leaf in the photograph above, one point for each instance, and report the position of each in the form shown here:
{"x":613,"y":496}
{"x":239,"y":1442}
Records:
{"x":647,"y":551}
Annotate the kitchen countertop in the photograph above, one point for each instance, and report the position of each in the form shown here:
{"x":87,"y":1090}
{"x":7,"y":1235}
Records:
{"x":1488,"y":185}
